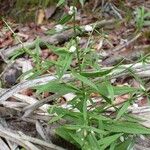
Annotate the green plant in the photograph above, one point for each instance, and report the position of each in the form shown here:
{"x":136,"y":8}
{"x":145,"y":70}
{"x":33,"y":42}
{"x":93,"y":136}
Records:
{"x":141,"y":18}
{"x":87,"y":124}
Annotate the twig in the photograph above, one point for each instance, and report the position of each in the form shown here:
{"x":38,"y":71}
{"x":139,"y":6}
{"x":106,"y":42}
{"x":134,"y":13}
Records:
{"x":7,"y":134}
{"x":118,"y":48}
{"x":26,"y":141}
{"x":30,"y":100}
{"x":42,"y":132}
{"x":115,"y":10}
{"x":29,"y":109}
{"x":55,"y":39}
{"x":28,"y":84}
{"x":40,"y":142}
{"x":143,"y":72}
{"x":135,"y":53}
{"x":3,"y":145}
{"x":140,"y":147}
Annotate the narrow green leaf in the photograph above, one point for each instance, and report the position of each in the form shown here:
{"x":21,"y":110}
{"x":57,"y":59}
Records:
{"x":54,"y":119}
{"x":56,"y":87}
{"x":82,"y":2}
{"x":97,"y":117}
{"x":66,"y":64}
{"x":65,"y":19}
{"x":123,"y":109}
{"x":96,"y":74}
{"x":62,"y":132}
{"x":93,"y":86}
{"x":147,"y":15}
{"x":77,"y":139}
{"x":126,"y":145}
{"x":117,"y":89}
{"x":132,"y":118}
{"x":112,"y":146}
{"x":126,"y":127}
{"x":100,"y":73}
{"x":85,"y":80}
{"x":74,"y":117}
{"x":85,"y":110}
{"x":60,"y":2}
{"x":88,"y":128}
{"x":93,"y":142}
{"x":105,"y":142}
{"x":110,"y":90}
{"x":124,"y":89}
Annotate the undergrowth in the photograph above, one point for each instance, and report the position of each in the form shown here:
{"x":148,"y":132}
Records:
{"x":86,"y":123}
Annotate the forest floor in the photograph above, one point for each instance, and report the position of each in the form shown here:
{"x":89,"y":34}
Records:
{"x":120,"y":35}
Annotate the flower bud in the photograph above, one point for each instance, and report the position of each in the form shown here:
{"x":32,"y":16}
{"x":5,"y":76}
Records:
{"x":88,"y":28}
{"x":72,"y":49}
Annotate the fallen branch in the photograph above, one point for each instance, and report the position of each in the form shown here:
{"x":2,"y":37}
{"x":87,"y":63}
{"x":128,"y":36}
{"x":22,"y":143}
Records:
{"x":28,"y":100}
{"x":55,"y":39}
{"x":26,"y":141}
{"x":118,"y":48}
{"x":7,"y":134}
{"x":128,"y":55}
{"x":29,"y":109}
{"x":140,"y":69}
{"x":3,"y":145}
{"x":28,"y":84}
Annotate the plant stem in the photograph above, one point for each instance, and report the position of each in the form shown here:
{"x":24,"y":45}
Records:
{"x":75,"y":38}
{"x":17,"y":38}
{"x":76,"y":42}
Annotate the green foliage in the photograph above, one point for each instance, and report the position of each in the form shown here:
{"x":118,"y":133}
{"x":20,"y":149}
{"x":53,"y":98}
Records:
{"x":65,"y":19}
{"x":89,"y":128}
{"x":87,"y":124}
{"x":60,"y":2}
{"x":82,"y":2}
{"x":142,"y":18}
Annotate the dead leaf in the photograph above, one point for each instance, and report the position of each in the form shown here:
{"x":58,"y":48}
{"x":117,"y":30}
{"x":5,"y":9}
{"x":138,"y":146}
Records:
{"x":121,"y":99}
{"x":7,"y":40}
{"x":28,"y":92}
{"x":6,"y":43}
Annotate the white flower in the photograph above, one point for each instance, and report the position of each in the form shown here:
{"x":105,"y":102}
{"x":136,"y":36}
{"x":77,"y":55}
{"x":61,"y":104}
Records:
{"x":59,"y":28}
{"x":72,"y":10}
{"x":72,"y":49}
{"x":79,"y":130}
{"x":85,"y":133}
{"x":121,"y":138}
{"x":88,"y":28}
{"x":78,"y":38}
{"x":113,"y":80}
{"x":92,"y":132}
